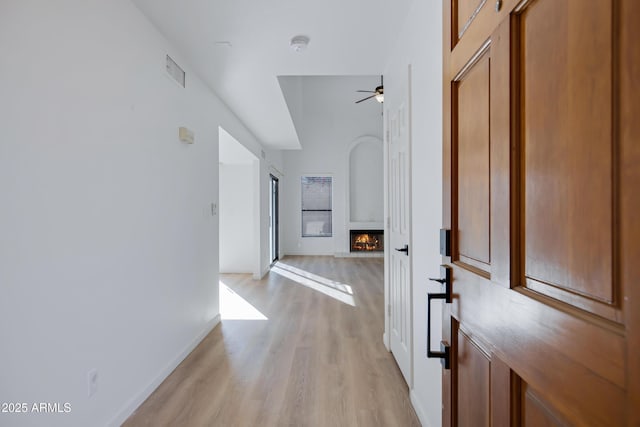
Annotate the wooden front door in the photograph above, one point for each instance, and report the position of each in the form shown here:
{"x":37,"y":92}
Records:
{"x":541,"y":193}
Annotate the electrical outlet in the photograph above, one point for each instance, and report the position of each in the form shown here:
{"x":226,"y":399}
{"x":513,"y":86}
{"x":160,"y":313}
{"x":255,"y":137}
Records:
{"x":92,"y":382}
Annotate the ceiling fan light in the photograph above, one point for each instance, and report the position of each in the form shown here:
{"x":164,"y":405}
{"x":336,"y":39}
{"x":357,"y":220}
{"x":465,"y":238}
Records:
{"x":380,"y":97}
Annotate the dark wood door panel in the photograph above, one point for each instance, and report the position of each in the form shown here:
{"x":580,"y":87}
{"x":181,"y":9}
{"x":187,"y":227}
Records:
{"x":629,"y":63}
{"x":534,"y":411}
{"x":471,"y":94}
{"x":464,"y":15}
{"x":505,"y":394}
{"x":473,"y":388}
{"x":514,"y":320}
{"x":558,"y":353}
{"x":544,"y":213}
{"x":566,"y":100}
{"x":501,"y":132}
{"x":460,"y":48}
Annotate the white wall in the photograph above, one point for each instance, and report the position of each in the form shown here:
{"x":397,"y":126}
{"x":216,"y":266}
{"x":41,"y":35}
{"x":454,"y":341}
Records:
{"x":237,"y":206}
{"x":109,"y":251}
{"x":420,"y":45}
{"x":270,"y":162}
{"x":328,"y":123}
{"x":366,"y":182}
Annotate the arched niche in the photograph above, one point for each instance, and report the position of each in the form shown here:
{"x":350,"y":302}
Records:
{"x":366,"y":181}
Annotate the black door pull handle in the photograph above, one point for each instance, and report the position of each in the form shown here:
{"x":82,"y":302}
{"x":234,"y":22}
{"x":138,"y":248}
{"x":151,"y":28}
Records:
{"x":445,"y":353}
{"x":405,"y":249}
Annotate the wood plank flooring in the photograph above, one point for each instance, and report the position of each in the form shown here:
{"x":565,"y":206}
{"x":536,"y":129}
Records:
{"x":316,"y":361}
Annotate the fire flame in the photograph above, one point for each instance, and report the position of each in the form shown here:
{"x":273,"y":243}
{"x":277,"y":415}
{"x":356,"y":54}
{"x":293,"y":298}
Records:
{"x":366,"y":242}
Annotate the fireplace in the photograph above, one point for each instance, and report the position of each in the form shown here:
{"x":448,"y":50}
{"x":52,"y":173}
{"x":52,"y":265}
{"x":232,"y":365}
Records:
{"x":367,"y":240}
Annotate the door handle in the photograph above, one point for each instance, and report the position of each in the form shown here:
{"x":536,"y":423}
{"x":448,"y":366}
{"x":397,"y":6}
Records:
{"x":405,"y":249}
{"x":445,"y":352}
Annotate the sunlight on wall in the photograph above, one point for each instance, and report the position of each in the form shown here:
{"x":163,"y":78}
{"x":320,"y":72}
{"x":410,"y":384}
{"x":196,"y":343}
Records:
{"x":336,"y":290}
{"x":234,"y":307}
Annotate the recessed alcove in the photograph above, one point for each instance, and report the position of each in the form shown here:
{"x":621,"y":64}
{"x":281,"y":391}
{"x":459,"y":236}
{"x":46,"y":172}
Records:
{"x":365,"y":196}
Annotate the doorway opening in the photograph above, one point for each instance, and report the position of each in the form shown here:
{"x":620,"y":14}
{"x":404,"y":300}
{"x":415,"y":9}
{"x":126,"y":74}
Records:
{"x":274,"y":241}
{"x":239,"y":207}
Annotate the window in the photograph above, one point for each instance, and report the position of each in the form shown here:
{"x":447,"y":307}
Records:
{"x":316,"y":206}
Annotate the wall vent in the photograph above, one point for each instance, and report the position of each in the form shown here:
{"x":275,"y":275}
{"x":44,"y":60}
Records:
{"x":175,"y":71}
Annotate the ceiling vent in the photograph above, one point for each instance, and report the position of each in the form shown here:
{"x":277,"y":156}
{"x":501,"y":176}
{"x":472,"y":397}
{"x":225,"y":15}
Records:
{"x":175,"y":71}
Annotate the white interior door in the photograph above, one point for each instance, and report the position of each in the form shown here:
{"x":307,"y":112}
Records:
{"x":400,"y":295}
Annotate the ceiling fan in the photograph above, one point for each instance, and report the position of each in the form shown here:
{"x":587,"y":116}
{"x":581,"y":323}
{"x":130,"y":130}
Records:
{"x":378,"y":94}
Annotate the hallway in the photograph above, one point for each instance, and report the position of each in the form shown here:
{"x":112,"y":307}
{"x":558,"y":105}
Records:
{"x":317,"y":359}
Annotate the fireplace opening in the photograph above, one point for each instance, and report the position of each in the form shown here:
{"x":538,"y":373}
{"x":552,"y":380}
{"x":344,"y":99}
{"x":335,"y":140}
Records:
{"x":367,"y":240}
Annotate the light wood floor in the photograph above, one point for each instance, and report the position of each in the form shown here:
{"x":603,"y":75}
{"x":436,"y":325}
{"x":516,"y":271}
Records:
{"x":316,"y":361}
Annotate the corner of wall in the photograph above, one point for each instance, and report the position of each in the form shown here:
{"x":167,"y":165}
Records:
{"x":139,"y":398}
{"x":262,"y":274}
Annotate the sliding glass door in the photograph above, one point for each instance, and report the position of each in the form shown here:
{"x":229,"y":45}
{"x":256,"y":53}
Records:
{"x":273,"y":220}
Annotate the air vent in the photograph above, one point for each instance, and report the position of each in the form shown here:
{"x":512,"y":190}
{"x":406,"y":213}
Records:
{"x":175,"y":71}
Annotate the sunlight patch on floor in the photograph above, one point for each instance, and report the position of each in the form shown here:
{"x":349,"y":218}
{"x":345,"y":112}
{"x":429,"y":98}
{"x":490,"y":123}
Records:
{"x":234,"y":307}
{"x":342,"y":287}
{"x":336,"y":290}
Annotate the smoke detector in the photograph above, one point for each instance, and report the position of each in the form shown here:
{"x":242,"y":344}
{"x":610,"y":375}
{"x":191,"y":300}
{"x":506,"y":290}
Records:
{"x":299,"y":43}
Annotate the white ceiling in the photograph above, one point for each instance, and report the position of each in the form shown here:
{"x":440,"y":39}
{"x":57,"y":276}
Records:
{"x":348,"y":37}
{"x":323,"y":107}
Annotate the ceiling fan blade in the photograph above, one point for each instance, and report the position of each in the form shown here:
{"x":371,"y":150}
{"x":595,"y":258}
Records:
{"x":366,"y":91}
{"x":364,"y":99}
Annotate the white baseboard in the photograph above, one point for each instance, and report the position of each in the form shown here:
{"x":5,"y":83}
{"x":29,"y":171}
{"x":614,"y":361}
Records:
{"x":417,"y":406}
{"x":137,"y":400}
{"x":304,"y":253}
{"x":359,"y":254}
